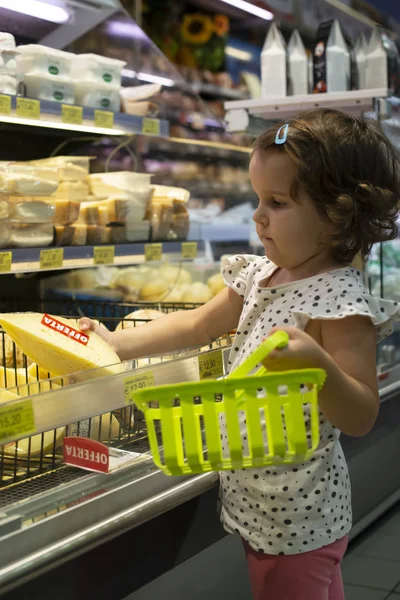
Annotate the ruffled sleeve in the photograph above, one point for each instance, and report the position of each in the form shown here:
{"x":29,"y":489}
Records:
{"x":346,"y":304}
{"x":236,"y":271}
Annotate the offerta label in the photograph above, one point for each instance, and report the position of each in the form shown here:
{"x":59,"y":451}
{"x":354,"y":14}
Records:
{"x":66,"y":330}
{"x":153,"y":252}
{"x":104,"y":118}
{"x":27,"y":108}
{"x":5,"y":105}
{"x":137,"y":382}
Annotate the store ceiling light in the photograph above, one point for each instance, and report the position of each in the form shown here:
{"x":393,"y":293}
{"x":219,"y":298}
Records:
{"x":237,"y":53}
{"x":40,"y":10}
{"x":251,"y":8}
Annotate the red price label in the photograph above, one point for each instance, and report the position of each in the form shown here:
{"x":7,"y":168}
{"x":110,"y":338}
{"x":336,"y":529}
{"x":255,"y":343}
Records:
{"x":66,"y":330}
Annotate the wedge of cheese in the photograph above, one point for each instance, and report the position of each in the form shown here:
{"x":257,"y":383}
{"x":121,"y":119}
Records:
{"x":25,"y":381}
{"x":57,"y":345}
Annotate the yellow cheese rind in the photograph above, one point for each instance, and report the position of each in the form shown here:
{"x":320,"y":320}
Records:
{"x":55,"y":352}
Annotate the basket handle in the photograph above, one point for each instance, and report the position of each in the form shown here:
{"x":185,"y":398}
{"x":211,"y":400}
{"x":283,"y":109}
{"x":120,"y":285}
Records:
{"x":279,"y":339}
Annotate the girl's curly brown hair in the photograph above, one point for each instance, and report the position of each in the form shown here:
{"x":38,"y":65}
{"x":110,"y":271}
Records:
{"x":351,"y":171}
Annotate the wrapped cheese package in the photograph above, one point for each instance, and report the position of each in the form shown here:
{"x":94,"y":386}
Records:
{"x":57,"y":345}
{"x":21,"y":235}
{"x":70,"y":168}
{"x":76,"y":191}
{"x":70,"y":235}
{"x":25,"y":180}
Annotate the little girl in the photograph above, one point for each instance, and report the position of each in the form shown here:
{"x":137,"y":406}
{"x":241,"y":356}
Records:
{"x":328,"y":188}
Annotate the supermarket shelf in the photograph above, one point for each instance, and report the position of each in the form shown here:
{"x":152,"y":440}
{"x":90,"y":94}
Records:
{"x":27,"y":260}
{"x":239,"y":112}
{"x":51,"y":117}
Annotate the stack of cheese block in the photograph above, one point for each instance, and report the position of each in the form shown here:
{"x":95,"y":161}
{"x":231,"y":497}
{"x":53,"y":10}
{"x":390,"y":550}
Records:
{"x":69,"y":197}
{"x":168,"y":213}
{"x":8,"y":64}
{"x":56,"y":347}
{"x":118,"y":206}
{"x":26,"y":215}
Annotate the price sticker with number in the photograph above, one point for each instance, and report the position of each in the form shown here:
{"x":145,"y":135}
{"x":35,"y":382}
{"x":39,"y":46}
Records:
{"x":189,"y":249}
{"x":72,"y":114}
{"x":5,"y":105}
{"x":16,"y":420}
{"x":153,"y":252}
{"x":104,"y":118}
{"x":5,"y":262}
{"x":103,"y":255}
{"x":27,"y":108}
{"x":52,"y":258}
{"x":137,"y":382}
{"x":151,"y":126}
{"x":211,"y":365}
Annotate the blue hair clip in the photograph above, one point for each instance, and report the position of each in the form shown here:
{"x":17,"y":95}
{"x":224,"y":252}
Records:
{"x":278,"y":138}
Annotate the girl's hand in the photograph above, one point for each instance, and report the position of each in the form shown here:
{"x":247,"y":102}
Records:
{"x":86,"y":324}
{"x":302,"y":352}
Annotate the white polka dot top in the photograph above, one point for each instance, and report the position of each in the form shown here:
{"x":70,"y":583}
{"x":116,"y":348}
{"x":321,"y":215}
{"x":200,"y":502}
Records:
{"x":294,"y":509}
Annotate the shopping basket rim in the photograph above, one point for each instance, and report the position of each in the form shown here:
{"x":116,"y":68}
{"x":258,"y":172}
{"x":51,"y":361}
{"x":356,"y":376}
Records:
{"x":315,"y":375}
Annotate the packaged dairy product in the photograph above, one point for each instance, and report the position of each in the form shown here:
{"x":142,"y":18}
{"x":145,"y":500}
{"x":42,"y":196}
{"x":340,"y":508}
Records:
{"x":70,"y":235}
{"x":297,"y":66}
{"x":97,"y":235}
{"x":4,"y":207}
{"x":117,"y":234}
{"x":95,"y":95}
{"x":98,"y":69}
{"x":70,"y":168}
{"x":8,"y":83}
{"x":27,"y":181}
{"x":8,"y":62}
{"x":57,"y":345}
{"x":21,"y":235}
{"x":331,"y":59}
{"x":42,"y":60}
{"x":382,"y":62}
{"x":74,"y":191}
{"x":138,"y":232}
{"x":47,"y":87}
{"x":31,"y":212}
{"x":360,"y":49}
{"x":103,"y":185}
{"x":7,"y":41}
{"x":4,"y":235}
{"x":273,"y":64}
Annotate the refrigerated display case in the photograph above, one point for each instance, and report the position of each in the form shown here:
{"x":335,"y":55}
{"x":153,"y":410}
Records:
{"x":97,"y":535}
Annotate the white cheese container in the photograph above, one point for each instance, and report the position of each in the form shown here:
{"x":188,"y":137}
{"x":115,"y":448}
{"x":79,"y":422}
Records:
{"x":7,"y":41}
{"x":8,"y":83}
{"x":98,"y":69}
{"x":8,"y":61}
{"x":46,"y":87}
{"x":94,"y":95}
{"x":42,"y":60}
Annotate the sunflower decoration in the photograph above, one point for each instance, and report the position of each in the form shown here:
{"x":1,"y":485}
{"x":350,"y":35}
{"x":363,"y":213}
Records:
{"x":197,"y":29}
{"x":221,"y":25}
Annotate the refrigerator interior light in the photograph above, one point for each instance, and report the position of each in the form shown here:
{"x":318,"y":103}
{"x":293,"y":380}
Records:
{"x":149,"y":77}
{"x":251,"y":8}
{"x":36,"y":8}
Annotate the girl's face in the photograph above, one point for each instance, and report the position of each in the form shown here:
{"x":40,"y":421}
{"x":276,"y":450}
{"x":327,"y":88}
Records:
{"x":291,"y":231}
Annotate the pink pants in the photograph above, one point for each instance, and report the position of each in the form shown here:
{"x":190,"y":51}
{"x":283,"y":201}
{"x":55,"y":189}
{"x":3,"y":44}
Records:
{"x":310,"y":576}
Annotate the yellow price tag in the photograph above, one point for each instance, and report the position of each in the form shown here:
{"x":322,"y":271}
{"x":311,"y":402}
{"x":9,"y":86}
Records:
{"x":72,"y":114}
{"x":104,"y":118}
{"x":16,"y":419}
{"x":189,"y":249}
{"x":211,"y":365}
{"x":103,"y":255}
{"x":5,"y":105}
{"x":5,"y":262}
{"x":52,"y":258}
{"x":153,"y":252}
{"x":137,"y":382}
{"x":27,"y":108}
{"x":151,"y":126}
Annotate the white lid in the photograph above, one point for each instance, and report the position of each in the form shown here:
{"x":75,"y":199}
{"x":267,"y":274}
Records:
{"x":37,"y":49}
{"x":99,"y":58}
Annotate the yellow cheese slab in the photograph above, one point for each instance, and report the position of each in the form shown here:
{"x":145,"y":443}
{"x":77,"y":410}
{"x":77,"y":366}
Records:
{"x":53,"y":343}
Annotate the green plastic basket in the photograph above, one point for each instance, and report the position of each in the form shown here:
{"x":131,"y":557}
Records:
{"x":281,"y":421}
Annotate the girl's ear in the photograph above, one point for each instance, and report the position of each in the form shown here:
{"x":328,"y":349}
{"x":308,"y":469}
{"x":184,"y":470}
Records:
{"x":358,"y":262}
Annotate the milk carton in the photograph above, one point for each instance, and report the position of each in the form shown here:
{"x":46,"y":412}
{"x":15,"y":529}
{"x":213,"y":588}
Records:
{"x":273,"y":64}
{"x":297,"y":66}
{"x":360,"y":48}
{"x":331,"y":59}
{"x":382,"y":62}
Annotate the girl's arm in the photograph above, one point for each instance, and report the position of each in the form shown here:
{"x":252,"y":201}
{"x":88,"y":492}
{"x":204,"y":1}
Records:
{"x":176,"y":330}
{"x":346,"y":349}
